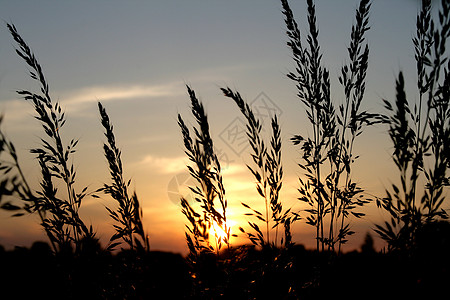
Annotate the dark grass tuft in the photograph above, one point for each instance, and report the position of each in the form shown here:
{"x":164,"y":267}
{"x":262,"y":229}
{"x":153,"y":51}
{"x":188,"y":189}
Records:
{"x":268,"y":172}
{"x":57,"y":207}
{"x":327,"y":155}
{"x":420,"y":133}
{"x":129,"y":213}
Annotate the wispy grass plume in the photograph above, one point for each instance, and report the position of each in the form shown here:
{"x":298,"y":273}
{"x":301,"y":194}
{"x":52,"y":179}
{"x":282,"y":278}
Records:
{"x":129,"y":212}
{"x":57,"y":207}
{"x":268,"y":172}
{"x":209,"y":192}
{"x":327,"y":155}
{"x":209,"y":271}
{"x":420,"y":134}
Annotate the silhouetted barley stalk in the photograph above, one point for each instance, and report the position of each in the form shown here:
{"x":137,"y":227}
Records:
{"x":328,"y":155}
{"x":129,"y":212}
{"x":268,"y":172}
{"x":209,"y":192}
{"x":421,"y":136}
{"x":57,"y":209}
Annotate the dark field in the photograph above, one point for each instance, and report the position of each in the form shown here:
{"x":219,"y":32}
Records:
{"x":241,"y":273}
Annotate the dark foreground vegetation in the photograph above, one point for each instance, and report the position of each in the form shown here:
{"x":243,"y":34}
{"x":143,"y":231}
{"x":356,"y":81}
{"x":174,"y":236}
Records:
{"x":415,"y":262}
{"x":240,"y":273}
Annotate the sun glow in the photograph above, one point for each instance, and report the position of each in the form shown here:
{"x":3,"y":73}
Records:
{"x":218,"y":234}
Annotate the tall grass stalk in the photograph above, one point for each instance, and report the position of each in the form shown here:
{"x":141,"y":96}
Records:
{"x":209,"y":191}
{"x":268,"y":172}
{"x":420,"y":134}
{"x":16,"y":184}
{"x":327,"y":155}
{"x":129,"y":212}
{"x":57,"y":208}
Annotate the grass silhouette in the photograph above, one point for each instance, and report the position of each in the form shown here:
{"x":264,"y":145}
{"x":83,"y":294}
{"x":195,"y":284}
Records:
{"x":331,"y":195}
{"x":58,"y":210}
{"x":268,"y":172}
{"x":420,"y":134}
{"x":208,"y":270}
{"x":129,"y":212}
{"x":210,"y":192}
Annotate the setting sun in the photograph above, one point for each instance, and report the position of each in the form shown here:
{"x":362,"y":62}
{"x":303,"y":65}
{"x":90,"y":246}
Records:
{"x":217,"y":233}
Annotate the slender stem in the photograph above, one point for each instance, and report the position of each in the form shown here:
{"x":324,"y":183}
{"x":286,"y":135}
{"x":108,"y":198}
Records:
{"x":318,"y":179}
{"x":28,"y":190}
{"x":276,"y":236}
{"x":267,"y":221}
{"x":418,"y":152}
{"x":264,"y":189}
{"x":216,"y":237}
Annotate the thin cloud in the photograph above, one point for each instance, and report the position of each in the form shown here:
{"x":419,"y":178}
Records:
{"x":76,"y":100}
{"x":174,"y":165}
{"x":164,"y":165}
{"x":234,"y":169}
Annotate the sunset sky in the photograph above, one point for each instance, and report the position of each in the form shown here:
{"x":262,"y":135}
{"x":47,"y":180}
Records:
{"x":136,"y":58}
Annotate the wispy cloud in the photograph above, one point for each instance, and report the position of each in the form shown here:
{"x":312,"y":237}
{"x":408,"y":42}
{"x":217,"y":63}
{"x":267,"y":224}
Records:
{"x":177,"y":164}
{"x":111,"y":93}
{"x":163,"y":165}
{"x":234,"y":169}
{"x":79,"y":99}
{"x":76,"y":100}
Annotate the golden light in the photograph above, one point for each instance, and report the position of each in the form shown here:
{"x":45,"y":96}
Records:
{"x":217,"y":233}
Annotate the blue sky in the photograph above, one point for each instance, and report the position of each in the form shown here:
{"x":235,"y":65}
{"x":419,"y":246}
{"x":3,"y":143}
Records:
{"x":137,"y":56}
